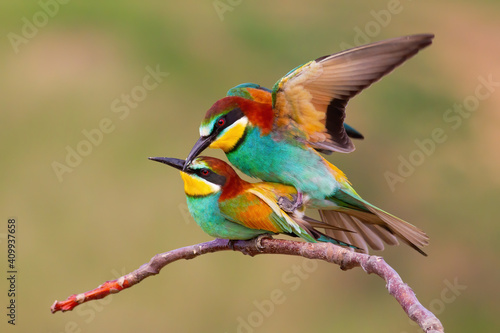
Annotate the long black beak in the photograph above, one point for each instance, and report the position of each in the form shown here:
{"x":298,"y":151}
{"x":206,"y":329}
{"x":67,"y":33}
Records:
{"x":200,"y":145}
{"x":173,"y":162}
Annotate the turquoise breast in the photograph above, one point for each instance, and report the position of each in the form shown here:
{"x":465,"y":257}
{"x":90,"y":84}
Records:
{"x":287,"y":161}
{"x":206,"y":213}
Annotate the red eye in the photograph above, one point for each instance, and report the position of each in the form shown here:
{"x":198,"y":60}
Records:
{"x":204,"y":172}
{"x":221,"y":122}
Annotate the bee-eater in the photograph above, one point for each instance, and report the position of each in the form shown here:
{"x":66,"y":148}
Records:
{"x":226,"y":206}
{"x":281,"y":141}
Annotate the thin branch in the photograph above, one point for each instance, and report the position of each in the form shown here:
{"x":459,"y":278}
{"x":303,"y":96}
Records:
{"x":345,"y":258}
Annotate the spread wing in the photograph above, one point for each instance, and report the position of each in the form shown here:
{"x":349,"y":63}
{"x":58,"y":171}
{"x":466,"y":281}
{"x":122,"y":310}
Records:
{"x":310,"y":100}
{"x":257,"y":208}
{"x":261,"y":94}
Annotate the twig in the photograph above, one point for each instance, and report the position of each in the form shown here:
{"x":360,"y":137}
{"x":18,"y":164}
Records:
{"x":345,"y":258}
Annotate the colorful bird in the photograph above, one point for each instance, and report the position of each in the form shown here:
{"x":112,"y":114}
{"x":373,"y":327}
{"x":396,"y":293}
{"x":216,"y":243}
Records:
{"x":226,"y":206}
{"x":281,"y":140}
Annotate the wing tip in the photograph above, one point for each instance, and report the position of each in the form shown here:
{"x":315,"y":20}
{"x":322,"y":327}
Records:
{"x":421,"y":39}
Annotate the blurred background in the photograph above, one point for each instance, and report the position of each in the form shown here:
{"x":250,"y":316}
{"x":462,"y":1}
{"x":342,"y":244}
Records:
{"x":90,"y":89}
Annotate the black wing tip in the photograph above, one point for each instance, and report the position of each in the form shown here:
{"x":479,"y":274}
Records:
{"x":353,"y":133}
{"x":358,"y":136}
{"x":419,"y":250}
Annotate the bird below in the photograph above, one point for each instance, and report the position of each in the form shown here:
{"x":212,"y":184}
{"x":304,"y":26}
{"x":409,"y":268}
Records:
{"x":279,"y":136}
{"x":226,"y":206}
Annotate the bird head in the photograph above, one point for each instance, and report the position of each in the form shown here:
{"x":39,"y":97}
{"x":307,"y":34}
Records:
{"x":252,"y":91}
{"x":225,"y":123}
{"x":204,"y":175}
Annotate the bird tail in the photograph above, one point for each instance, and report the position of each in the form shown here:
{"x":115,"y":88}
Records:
{"x":327,"y":239}
{"x":310,"y":225}
{"x":371,"y":226}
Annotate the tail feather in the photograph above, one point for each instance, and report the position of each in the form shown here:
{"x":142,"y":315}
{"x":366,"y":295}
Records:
{"x":408,"y":233}
{"x":371,"y":239}
{"x":346,"y":222}
{"x":309,"y":225}
{"x":372,"y":227}
{"x":328,"y":239}
{"x":383,"y":234}
{"x":319,"y":224}
{"x":367,"y":235}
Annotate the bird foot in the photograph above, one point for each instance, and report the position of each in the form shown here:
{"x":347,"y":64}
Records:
{"x":258,"y":241}
{"x":290,"y":206}
{"x":230,"y":243}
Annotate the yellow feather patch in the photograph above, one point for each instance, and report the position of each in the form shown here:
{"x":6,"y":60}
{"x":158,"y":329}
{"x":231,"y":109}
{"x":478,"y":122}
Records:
{"x":194,"y":186}
{"x":337,"y":173}
{"x":230,"y":136}
{"x":271,"y":202}
{"x":300,"y":101}
{"x":295,"y":102}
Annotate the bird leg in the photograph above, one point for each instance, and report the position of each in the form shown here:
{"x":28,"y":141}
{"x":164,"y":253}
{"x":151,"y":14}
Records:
{"x":230,"y":243}
{"x":259,"y":239}
{"x":290,"y":206}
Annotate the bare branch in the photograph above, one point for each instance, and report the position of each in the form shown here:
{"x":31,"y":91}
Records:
{"x":345,"y":258}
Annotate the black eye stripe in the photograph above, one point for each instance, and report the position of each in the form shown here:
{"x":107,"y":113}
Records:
{"x":231,"y":117}
{"x":212,"y":177}
{"x":215,"y":178}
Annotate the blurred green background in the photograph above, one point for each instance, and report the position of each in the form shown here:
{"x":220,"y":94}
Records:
{"x":66,"y":67}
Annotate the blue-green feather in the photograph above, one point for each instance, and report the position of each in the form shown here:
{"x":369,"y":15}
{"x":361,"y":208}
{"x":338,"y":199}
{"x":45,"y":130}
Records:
{"x":267,"y":158}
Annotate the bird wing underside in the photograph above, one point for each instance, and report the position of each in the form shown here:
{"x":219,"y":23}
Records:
{"x":310,"y":100}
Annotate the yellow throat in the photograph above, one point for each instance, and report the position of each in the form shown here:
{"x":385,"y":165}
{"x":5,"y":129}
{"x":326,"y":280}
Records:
{"x":231,"y":135}
{"x":194,"y":186}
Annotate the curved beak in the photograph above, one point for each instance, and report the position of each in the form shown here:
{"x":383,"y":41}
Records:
{"x":200,"y":145}
{"x":173,"y":162}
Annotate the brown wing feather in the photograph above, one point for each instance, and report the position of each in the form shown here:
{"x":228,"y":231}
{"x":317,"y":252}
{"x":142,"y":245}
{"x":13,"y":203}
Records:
{"x":312,"y":99}
{"x":363,"y":236}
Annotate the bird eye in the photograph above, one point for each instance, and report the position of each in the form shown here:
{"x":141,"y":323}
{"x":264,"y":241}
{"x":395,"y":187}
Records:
{"x":221,"y":122}
{"x":204,"y":172}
